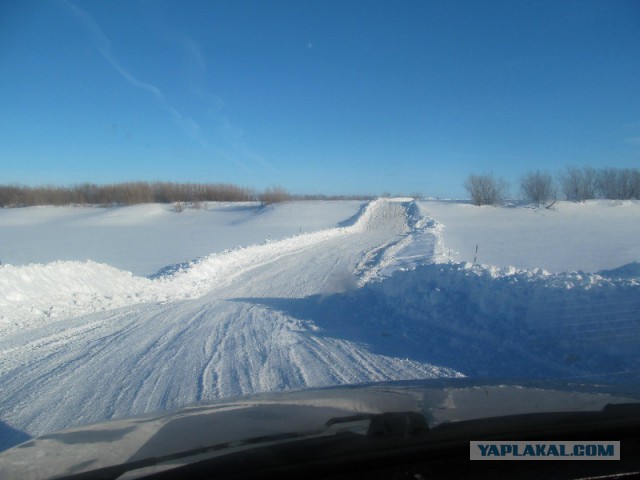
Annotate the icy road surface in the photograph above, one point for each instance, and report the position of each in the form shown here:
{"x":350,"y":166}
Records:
{"x":201,"y":333}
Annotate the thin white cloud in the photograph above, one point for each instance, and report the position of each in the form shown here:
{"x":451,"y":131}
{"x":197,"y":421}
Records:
{"x":103,"y":45}
{"x":196,"y":69}
{"x":231,"y":134}
{"x":195,"y":53}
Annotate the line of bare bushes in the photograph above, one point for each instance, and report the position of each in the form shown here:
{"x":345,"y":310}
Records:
{"x":576,"y":184}
{"x":130,"y":193}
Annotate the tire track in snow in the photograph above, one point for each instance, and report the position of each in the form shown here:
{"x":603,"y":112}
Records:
{"x":156,"y":356}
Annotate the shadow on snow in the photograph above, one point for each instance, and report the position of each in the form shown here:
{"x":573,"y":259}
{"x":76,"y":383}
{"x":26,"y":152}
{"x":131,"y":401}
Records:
{"x":486,"y":323}
{"x":10,"y":436}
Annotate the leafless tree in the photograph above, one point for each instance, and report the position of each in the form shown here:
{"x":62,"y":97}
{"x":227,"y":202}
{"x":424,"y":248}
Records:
{"x":579,"y":184}
{"x":619,"y":184}
{"x":485,"y":189}
{"x":274,"y":195}
{"x":608,"y":183}
{"x":538,"y":187}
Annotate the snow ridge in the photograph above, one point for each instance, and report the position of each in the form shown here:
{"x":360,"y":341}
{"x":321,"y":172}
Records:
{"x":36,"y":294}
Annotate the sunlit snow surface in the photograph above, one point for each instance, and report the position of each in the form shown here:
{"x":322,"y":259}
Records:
{"x":147,"y":309}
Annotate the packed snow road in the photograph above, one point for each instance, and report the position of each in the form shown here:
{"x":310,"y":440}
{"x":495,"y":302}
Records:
{"x":199,"y":333}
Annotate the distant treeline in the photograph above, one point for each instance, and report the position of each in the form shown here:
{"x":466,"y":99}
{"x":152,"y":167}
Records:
{"x":579,"y":184}
{"x":130,"y":193}
{"x":576,"y":184}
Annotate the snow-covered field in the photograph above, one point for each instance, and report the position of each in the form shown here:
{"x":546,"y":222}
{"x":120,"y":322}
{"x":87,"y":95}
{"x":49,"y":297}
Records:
{"x":106,"y":313}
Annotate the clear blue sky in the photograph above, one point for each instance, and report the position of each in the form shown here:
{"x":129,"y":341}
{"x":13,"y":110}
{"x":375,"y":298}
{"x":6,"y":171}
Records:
{"x":317,"y":96}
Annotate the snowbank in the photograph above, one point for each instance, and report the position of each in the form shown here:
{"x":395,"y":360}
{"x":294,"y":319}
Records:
{"x":589,"y":324}
{"x":35,"y":294}
{"x":143,"y":239}
{"x":590,"y":236}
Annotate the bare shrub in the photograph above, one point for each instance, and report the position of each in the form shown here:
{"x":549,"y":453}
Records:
{"x":629,"y":183}
{"x":321,"y":196}
{"x":608,"y":183}
{"x":274,"y":195}
{"x":10,"y":195}
{"x":485,"y":189}
{"x":537,"y":187}
{"x":579,"y":184}
{"x":619,"y":184}
{"x":127,"y":193}
{"x":634,"y":183}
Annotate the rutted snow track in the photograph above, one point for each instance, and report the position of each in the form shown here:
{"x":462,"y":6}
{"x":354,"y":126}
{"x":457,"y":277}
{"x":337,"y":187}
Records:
{"x":197,"y":334}
{"x":38,"y":294}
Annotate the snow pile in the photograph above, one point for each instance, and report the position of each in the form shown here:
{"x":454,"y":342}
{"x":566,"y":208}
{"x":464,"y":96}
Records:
{"x":420,"y":246}
{"x":630,"y":270}
{"x":36,"y":293}
{"x":195,"y":278}
{"x":567,"y":324}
